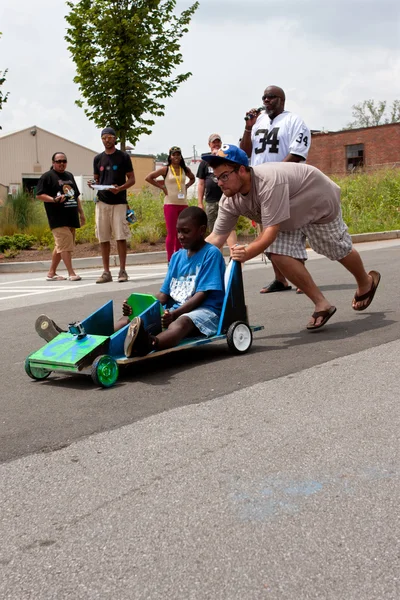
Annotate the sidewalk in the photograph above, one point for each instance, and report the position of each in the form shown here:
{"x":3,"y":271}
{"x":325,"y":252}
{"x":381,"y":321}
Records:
{"x":147,"y":258}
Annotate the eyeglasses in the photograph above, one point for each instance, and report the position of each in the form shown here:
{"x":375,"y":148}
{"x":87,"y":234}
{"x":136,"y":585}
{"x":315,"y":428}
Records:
{"x":62,"y":161}
{"x":269,"y":97}
{"x":225,"y":176}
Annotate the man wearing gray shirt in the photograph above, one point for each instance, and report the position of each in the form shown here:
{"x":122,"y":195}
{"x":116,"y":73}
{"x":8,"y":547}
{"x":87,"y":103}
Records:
{"x":292,"y":202}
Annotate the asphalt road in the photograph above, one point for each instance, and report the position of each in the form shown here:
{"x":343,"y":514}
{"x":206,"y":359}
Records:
{"x":269,"y":475}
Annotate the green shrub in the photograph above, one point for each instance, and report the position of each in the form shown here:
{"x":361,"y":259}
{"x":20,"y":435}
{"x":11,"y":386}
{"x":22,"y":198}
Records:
{"x":371,"y":201}
{"x":11,"y":253}
{"x":244,"y":227}
{"x":21,"y":208}
{"x":21,"y":212}
{"x":46,"y":240}
{"x":38,"y":230}
{"x":150,"y":234}
{"x":18,"y":241}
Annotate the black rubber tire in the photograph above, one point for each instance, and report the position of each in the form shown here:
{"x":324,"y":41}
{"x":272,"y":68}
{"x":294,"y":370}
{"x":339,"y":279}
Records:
{"x":239,"y":337}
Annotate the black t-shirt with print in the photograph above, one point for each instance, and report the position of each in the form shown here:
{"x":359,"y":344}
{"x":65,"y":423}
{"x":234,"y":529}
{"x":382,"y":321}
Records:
{"x":213,"y":192}
{"x":112,"y":169}
{"x":60,"y":214}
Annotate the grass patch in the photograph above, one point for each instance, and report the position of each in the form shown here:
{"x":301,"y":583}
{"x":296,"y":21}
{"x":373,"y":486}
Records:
{"x":370,"y":203}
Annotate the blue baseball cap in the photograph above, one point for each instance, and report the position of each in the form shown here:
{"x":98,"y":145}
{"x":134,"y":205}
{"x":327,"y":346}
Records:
{"x":229,"y":152}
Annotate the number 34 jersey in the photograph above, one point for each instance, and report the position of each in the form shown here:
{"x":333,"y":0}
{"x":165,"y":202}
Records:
{"x":273,"y":140}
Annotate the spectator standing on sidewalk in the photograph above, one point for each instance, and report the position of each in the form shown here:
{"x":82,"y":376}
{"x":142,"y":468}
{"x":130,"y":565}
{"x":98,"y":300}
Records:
{"x":275,"y":135}
{"x":174,"y":185}
{"x":58,"y":190}
{"x":112,"y":167}
{"x":208,"y":191}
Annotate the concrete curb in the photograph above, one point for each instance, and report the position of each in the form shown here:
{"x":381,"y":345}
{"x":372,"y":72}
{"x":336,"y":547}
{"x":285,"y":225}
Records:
{"x":92,"y":262}
{"x":148,"y":258}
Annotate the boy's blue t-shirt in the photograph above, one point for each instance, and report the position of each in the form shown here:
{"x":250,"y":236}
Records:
{"x":202,"y":272}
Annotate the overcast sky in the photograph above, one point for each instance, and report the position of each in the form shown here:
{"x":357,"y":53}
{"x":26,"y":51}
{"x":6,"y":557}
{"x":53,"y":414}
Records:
{"x":326,"y":54}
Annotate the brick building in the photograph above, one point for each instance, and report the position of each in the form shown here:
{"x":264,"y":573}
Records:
{"x":340,"y":152}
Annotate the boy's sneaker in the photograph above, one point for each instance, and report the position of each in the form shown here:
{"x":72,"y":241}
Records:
{"x":138,"y":341}
{"x":46,"y":328}
{"x":123,"y":276}
{"x":105,"y":277}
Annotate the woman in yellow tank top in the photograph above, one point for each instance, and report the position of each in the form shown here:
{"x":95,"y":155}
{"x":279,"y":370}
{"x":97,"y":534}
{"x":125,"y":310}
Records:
{"x":175,"y":188}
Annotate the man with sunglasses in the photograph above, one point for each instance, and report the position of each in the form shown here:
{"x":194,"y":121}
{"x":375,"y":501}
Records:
{"x":292,"y":202}
{"x":275,"y":135}
{"x":58,"y":190}
{"x":112,"y":168}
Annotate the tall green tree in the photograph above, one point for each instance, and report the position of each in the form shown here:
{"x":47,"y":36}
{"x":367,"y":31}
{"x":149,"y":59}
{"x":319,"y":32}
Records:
{"x":3,"y":96}
{"x":162,"y":157}
{"x":369,"y":113}
{"x":126,"y":52}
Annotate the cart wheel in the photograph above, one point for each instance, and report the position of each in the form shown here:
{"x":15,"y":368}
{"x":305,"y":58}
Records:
{"x":35,"y":372}
{"x":104,"y":371}
{"x":239,"y":337}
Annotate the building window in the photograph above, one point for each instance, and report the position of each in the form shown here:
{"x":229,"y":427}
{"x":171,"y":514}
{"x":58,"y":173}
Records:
{"x":354,"y":156}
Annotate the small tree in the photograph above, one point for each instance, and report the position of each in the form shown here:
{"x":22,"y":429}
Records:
{"x":3,"y":96}
{"x":162,"y":157}
{"x":369,"y":114}
{"x":125,"y":53}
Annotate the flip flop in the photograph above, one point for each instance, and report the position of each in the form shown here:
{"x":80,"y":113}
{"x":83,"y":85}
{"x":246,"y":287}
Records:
{"x":369,"y":296}
{"x":299,"y":291}
{"x":325,"y":314}
{"x":56,"y":278}
{"x":74,"y":278}
{"x":275,"y":286}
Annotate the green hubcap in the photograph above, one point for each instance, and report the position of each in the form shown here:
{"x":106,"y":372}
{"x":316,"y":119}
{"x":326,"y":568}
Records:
{"x":35,"y":372}
{"x":107,"y":371}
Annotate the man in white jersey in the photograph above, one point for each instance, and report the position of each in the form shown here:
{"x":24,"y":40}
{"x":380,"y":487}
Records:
{"x":292,"y":202}
{"x":275,"y":135}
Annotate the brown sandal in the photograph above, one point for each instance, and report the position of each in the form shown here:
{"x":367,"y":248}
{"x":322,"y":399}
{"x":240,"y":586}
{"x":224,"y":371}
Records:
{"x":369,"y":296}
{"x":325,"y":314}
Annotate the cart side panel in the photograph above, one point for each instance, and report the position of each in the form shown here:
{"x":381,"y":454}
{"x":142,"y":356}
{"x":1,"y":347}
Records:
{"x":151,"y":317}
{"x":140,"y":303}
{"x":101,"y":322}
{"x":234,"y":307}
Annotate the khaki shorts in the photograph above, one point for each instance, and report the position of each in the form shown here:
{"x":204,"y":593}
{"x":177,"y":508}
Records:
{"x":111,"y":222}
{"x":64,"y":238}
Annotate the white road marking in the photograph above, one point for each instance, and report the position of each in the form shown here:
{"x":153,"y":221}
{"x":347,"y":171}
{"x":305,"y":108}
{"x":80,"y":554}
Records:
{"x":48,"y":287}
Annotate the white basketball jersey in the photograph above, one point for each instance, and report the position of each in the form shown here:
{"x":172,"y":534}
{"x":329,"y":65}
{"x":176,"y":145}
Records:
{"x":273,"y":140}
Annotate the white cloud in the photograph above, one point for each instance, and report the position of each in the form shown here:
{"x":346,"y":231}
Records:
{"x":326,"y":56}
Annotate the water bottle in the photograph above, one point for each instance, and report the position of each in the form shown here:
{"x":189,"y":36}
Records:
{"x":130,"y":216}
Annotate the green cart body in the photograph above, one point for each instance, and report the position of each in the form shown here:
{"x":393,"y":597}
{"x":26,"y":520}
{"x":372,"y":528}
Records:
{"x":99,"y":351}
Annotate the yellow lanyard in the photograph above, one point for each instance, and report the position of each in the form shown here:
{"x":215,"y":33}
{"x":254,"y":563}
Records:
{"x":178,"y":181}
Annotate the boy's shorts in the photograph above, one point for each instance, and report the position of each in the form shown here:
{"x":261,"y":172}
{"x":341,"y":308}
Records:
{"x":111,"y":222}
{"x":64,"y":238}
{"x":329,"y":239}
{"x":204,"y":319}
